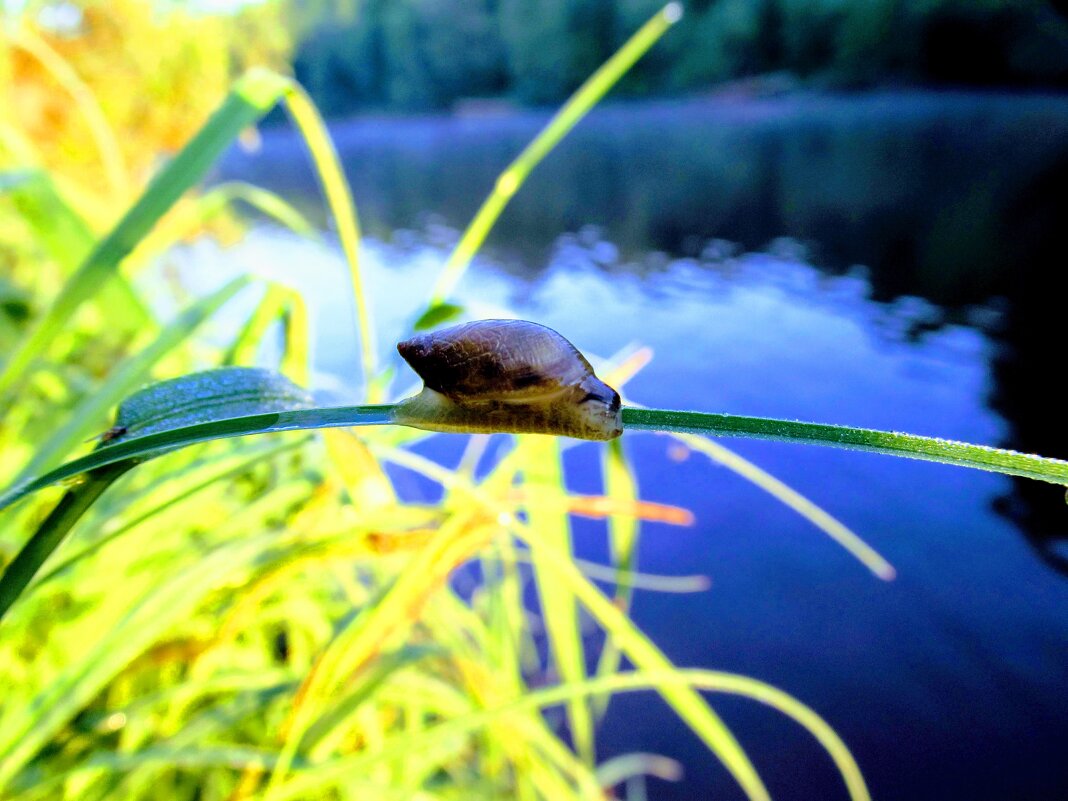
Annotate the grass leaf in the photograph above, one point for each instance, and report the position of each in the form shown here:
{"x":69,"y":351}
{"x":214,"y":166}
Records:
{"x":569,"y":115}
{"x":933,"y":449}
{"x":543,"y":474}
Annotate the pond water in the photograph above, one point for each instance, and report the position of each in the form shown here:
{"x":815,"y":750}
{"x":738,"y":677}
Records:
{"x":884,"y":260}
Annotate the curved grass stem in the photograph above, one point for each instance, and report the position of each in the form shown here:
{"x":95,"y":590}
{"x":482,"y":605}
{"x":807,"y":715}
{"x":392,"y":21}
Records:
{"x":894,"y":443}
{"x":981,"y":457}
{"x":54,"y":529}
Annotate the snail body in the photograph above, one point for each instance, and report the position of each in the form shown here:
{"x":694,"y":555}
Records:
{"x":508,"y":376}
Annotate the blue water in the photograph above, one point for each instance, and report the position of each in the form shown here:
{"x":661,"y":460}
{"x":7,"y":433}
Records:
{"x":945,"y":683}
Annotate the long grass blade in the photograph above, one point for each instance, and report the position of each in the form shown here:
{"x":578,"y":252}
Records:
{"x":339,"y":198}
{"x":621,"y":485}
{"x":543,"y":474}
{"x":790,"y":497}
{"x":153,"y":444}
{"x":52,"y":531}
{"x":266,"y":202}
{"x":962,"y":454}
{"x":270,"y":309}
{"x":569,"y":115}
{"x":933,"y":449}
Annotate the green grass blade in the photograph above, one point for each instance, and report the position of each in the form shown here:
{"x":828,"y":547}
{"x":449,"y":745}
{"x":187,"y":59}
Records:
{"x":962,"y":454}
{"x":543,"y":474}
{"x":339,"y":198}
{"x":149,"y":445}
{"x":272,"y":306}
{"x":931,"y":449}
{"x":789,"y":497}
{"x":52,"y":531}
{"x":264,"y":201}
{"x":89,"y":416}
{"x":576,"y":107}
{"x":251,"y":97}
{"x":621,"y":485}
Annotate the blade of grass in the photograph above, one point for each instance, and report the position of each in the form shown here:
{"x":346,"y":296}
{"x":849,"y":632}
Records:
{"x":962,"y":454}
{"x":830,"y":525}
{"x":250,"y":98}
{"x":621,"y":485}
{"x":272,"y":306}
{"x":296,"y":355}
{"x":74,"y":503}
{"x":153,"y":444}
{"x":934,"y":449}
{"x":509,"y":181}
{"x":266,"y":202}
{"x":543,"y":473}
{"x":339,"y":198}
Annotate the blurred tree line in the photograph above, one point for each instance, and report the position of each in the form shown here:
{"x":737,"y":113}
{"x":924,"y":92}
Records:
{"x":427,"y":54}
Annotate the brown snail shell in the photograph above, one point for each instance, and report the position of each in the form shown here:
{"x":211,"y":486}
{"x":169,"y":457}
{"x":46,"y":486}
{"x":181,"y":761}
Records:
{"x":509,"y":376}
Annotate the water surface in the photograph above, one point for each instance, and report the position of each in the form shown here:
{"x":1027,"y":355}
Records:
{"x":880,"y":261}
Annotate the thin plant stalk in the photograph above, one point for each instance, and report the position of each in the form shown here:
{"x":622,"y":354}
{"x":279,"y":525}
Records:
{"x":576,"y":107}
{"x":339,"y":198}
{"x":912,"y":446}
{"x":54,"y":530}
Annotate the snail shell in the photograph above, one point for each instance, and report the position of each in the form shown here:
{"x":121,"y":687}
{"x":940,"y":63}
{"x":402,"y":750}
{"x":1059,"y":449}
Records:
{"x":506,"y":375}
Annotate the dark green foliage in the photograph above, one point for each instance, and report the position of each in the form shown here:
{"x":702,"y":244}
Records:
{"x":429,"y":54}
{"x":417,"y":54}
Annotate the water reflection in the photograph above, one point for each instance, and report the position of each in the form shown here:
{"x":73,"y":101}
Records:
{"x":883,"y":262}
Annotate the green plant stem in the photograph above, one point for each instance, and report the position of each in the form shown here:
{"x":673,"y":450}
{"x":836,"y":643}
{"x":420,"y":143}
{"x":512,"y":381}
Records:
{"x":105,"y":464}
{"x":932,"y":449}
{"x":55,"y":527}
{"x":161,"y":441}
{"x":577,"y":106}
{"x":912,"y":446}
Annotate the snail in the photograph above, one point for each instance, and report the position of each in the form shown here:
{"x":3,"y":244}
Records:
{"x":509,"y":376}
